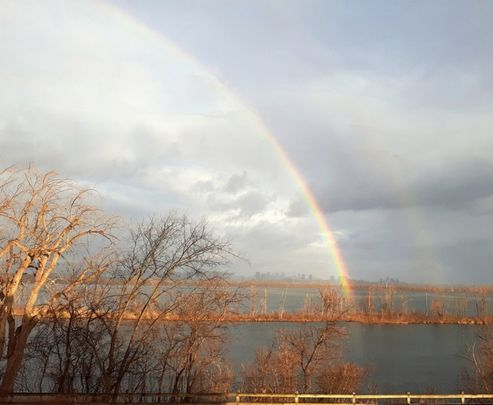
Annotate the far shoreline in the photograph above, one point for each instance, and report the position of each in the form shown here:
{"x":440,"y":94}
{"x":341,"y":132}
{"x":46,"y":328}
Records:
{"x":243,"y":318}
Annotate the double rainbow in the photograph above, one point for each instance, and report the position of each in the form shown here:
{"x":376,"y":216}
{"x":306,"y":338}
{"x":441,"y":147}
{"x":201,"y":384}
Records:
{"x":137,"y":26}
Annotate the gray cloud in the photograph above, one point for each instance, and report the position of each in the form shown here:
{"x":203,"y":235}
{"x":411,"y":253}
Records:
{"x":452,"y":186}
{"x":203,"y":186}
{"x":385,"y":110}
{"x":236,"y":183}
{"x":246,"y":204}
{"x":297,"y":208}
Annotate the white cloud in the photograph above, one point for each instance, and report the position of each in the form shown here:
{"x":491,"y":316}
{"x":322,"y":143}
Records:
{"x":95,"y":98}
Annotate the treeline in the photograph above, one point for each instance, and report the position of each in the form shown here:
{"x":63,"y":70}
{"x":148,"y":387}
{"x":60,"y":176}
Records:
{"x":376,"y":304}
{"x":363,"y":286}
{"x":91,"y":305}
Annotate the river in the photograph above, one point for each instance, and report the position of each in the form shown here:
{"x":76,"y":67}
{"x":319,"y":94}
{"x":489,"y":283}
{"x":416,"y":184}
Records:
{"x":401,"y":358}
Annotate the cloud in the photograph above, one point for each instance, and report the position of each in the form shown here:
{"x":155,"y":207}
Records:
{"x":391,"y":132}
{"x":203,"y":186}
{"x":365,"y":147}
{"x":247,"y":204}
{"x":236,"y":183}
{"x":113,"y":108}
{"x":297,"y":208}
{"x":451,"y":187}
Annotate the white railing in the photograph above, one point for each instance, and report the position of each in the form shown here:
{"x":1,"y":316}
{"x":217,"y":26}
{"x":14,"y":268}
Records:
{"x":408,"y":398}
{"x":250,"y":398}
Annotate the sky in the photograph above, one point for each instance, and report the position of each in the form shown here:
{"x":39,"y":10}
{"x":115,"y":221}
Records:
{"x":384,"y":108}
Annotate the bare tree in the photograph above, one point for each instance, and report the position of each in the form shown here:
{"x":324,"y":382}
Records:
{"x":331,"y":303}
{"x":481,"y":303}
{"x":151,"y":287}
{"x":272,"y":371}
{"x":155,"y":319}
{"x":43,"y":218}
{"x":305,"y":359}
{"x":58,"y":355}
{"x":480,"y":355}
{"x":313,"y":346}
{"x":342,"y":378}
{"x":388,"y":292}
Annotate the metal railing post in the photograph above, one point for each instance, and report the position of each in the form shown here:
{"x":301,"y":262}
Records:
{"x":408,"y":397}
{"x":354,"y":397}
{"x":237,"y":397}
{"x":296,"y":399}
{"x":462,"y":398}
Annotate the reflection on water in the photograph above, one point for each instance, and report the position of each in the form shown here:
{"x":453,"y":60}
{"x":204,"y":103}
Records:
{"x":415,"y":358}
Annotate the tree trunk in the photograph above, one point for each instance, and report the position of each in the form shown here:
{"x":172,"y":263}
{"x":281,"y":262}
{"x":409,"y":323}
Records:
{"x":14,"y":360}
{"x":5,"y":313}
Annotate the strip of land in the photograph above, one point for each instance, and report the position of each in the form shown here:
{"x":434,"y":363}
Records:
{"x":231,"y":317}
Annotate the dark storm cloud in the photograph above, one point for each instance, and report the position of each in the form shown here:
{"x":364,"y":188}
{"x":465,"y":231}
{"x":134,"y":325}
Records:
{"x":453,"y":186}
{"x":469,"y":260}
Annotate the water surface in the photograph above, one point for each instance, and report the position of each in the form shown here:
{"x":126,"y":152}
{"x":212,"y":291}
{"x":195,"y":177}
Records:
{"x":415,"y":358}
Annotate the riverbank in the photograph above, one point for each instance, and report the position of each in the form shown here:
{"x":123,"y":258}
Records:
{"x":297,"y":317}
{"x":354,"y":286}
{"x":411,"y":319}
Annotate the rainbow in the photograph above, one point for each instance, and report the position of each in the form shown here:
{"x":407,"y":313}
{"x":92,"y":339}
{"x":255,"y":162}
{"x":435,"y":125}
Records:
{"x":414,"y":224}
{"x":310,"y":199}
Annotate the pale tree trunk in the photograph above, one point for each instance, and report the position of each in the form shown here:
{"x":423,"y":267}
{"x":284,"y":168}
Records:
{"x":44,"y":216}
{"x":8,"y":303}
{"x":5,"y":313}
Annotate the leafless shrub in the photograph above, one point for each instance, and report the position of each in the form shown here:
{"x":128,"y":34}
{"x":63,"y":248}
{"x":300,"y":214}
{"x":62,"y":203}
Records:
{"x":306,"y":359}
{"x":480,"y":355}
